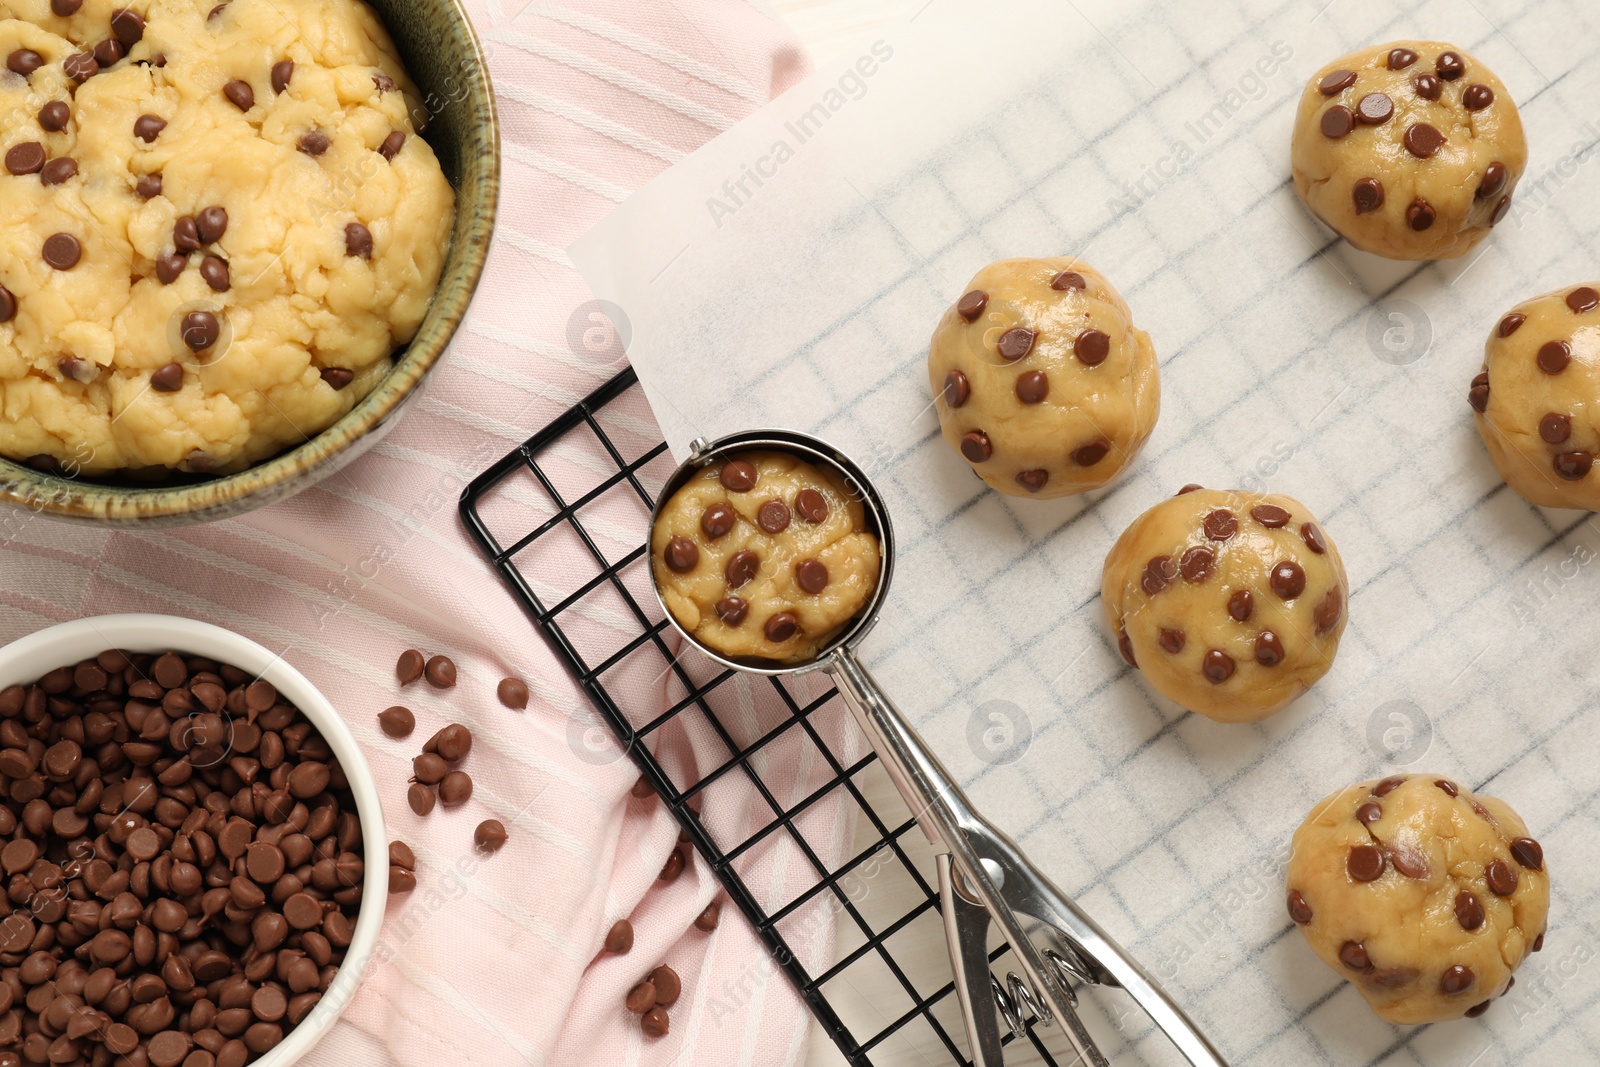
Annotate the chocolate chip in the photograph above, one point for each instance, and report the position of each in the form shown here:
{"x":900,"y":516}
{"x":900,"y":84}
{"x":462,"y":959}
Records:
{"x":1016,"y":343}
{"x":1375,"y":109}
{"x":812,"y":506}
{"x":1336,"y":82}
{"x":1217,"y":666}
{"x":1326,"y":617}
{"x":738,"y":476}
{"x":392,"y":144}
{"x":455,"y":789}
{"x":440,"y":672}
{"x":717,"y":520}
{"x":25,"y":157}
{"x":199,"y":330}
{"x":1366,"y":863}
{"x":357,"y":241}
{"x":1241,"y":605}
{"x":1033,"y":480}
{"x":1068,"y":281}
{"x":773,"y":517}
{"x":80,"y":67}
{"x":1299,"y":910}
{"x":1500,"y":210}
{"x":956,"y":389}
{"x":1353,"y":954}
{"x":282,"y":72}
{"x":62,"y":251}
{"x":408,"y":668}
{"x":1420,"y":215}
{"x":1527,"y":851}
{"x":1555,"y":428}
{"x":314,"y":143}
{"x":217,"y":11}
{"x":781,"y":627}
{"x":58,"y":170}
{"x":453,"y":742}
{"x":337,"y":377}
{"x":186,"y":234}
{"x":1477,"y":1010}
{"x":1313,"y":538}
{"x":1478,"y":394}
{"x":619,"y":939}
{"x":109,"y":52}
{"x":1367,"y":195}
{"x":1270,"y":515}
{"x":1190,"y":488}
{"x":1428,"y":86}
{"x":972,"y":304}
{"x":1197,"y":564}
{"x":128,"y":25}
{"x":420,"y":798}
{"x":490,"y":836}
{"x":1494,"y":179}
{"x":148,"y":127}
{"x":1502,"y":878}
{"x":1583,"y":299}
{"x":54,"y":116}
{"x":84,"y":372}
{"x":1288,"y":579}
{"x":1388,"y":785}
{"x":1401,"y":58}
{"x":1538,"y":943}
{"x":1125,"y":647}
{"x":513,"y":693}
{"x":655,"y":1023}
{"x":397,"y":721}
{"x":732,"y":610}
{"x":1450,"y":66}
{"x":24,"y":61}
{"x":1369,"y":813}
{"x":240,"y":95}
{"x":1448,"y":787}
{"x":383,"y":82}
{"x":1158,"y":574}
{"x":1456,"y":979}
{"x":1268,"y":649}
{"x":741,"y":568}
{"x":1469,"y":911}
{"x":1220,"y":525}
{"x":215,"y":272}
{"x":1338,"y":121}
{"x":1554,"y":356}
{"x":1092,"y":347}
{"x":1033,"y":387}
{"x":1477,"y":97}
{"x":8,"y":305}
{"x":148,"y":186}
{"x":1409,"y":863}
{"x":1090,"y":454}
{"x":707,"y":920}
{"x":681,"y":555}
{"x":1423,"y":140}
{"x":1172,"y":640}
{"x":211,"y":224}
{"x":811,"y":575}
{"x":975,"y":446}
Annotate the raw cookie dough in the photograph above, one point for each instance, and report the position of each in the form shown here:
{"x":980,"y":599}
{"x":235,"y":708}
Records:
{"x":212,"y":236}
{"x":1409,"y":150}
{"x":764,"y":556}
{"x":1041,"y":380}
{"x":1423,"y":895}
{"x":1538,"y":398}
{"x":1231,"y":603}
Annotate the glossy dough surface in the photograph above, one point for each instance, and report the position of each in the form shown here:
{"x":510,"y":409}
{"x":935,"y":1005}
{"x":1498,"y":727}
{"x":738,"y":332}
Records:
{"x":1423,"y":895}
{"x":775,"y":533}
{"x":1059,"y":411}
{"x":1231,"y":603}
{"x":298,"y":301}
{"x":1409,"y":150}
{"x":1537,"y":399}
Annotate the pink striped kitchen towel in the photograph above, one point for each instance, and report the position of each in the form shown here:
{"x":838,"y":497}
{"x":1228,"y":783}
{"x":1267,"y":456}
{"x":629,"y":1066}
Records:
{"x":496,"y":961}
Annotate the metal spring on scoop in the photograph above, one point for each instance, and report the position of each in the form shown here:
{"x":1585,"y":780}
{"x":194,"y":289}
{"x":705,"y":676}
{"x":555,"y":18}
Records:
{"x":1017,"y":1001}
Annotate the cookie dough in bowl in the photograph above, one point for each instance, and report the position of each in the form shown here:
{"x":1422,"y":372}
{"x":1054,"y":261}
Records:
{"x":763,"y":556}
{"x":1537,"y":399}
{"x":1041,"y":380}
{"x":1231,"y":603}
{"x":1409,"y":150}
{"x":219,"y":224}
{"x":1422,"y":895}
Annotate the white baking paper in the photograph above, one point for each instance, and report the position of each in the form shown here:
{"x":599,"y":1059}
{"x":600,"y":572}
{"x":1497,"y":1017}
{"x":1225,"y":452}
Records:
{"x":790,"y":273}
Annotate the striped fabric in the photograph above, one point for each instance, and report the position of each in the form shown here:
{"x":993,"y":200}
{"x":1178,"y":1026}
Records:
{"x":492,"y":961}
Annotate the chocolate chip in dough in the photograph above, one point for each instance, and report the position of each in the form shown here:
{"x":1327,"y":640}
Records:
{"x":1477,"y":97}
{"x":1092,"y":347}
{"x":211,"y":224}
{"x":1366,"y":863}
{"x":1288,"y":579}
{"x":1456,"y":979}
{"x":1469,"y":910}
{"x":1583,"y":299}
{"x":392,"y":144}
{"x":109,"y":52}
{"x":975,"y":446}
{"x":128,"y":26}
{"x":24,"y":61}
{"x":240,"y":95}
{"x":738,"y":476}
{"x":25,"y":157}
{"x":1367,"y":195}
{"x":1068,"y":281}
{"x":741,"y":567}
{"x":186,"y":234}
{"x":1268,"y":649}
{"x":1375,"y":109}
{"x":1528,"y":852}
{"x":1337,"y":122}
{"x":681,"y":555}
{"x":214,"y":270}
{"x":1478,"y":394}
{"x":1423,"y":140}
{"x":1353,"y":954}
{"x":732,"y":610}
{"x":1241,"y":605}
{"x":1172,"y":641}
{"x":812,"y":506}
{"x":781,"y":627}
{"x":1159,"y":573}
{"x":148,"y":127}
{"x":337,"y":377}
{"x":1326,"y":617}
{"x":58,"y":170}
{"x":1220,"y":525}
{"x":1091,"y":454}
{"x":1554,"y":356}
{"x":1450,"y":66}
{"x":1016,"y":343}
{"x":54,"y":116}
{"x":1502,"y":878}
{"x":773,"y":517}
{"x":1299,"y":910}
{"x":357,"y":241}
{"x":717,"y":520}
{"x":956,"y":389}
{"x":80,"y":67}
{"x":1369,"y":813}
{"x":62,"y":251}
{"x":1420,"y":215}
{"x":811,"y":575}
{"x":1033,"y":480}
{"x":1401,"y":58}
{"x":1555,"y":428}
{"x":1336,"y":82}
{"x":1217,"y":666}
{"x":200,"y":330}
{"x":1427,"y":85}
{"x":1197,"y":564}
{"x":1270,"y":515}
{"x":972,"y":304}
{"x":282,"y":72}
{"x":8,"y":305}
{"x":1033,"y":387}
{"x":148,"y":187}
{"x":314,"y":143}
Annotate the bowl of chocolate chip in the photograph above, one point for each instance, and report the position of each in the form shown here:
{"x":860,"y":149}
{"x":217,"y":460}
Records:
{"x":191,"y":844}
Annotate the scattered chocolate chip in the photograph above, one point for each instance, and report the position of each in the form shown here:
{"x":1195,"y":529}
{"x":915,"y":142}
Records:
{"x":707,"y":920}
{"x":1450,"y":66}
{"x":455,"y":789}
{"x":1033,"y":387}
{"x":1502,"y":878}
{"x":732,"y":610}
{"x":148,"y":186}
{"x":975,"y":446}
{"x":1090,"y":454}
{"x":1217,"y":666}
{"x":1428,"y":86}
{"x":1457,"y":978}
{"x":1369,"y":813}
{"x":1172,"y":640}
{"x":1583,"y":299}
{"x":109,"y":52}
{"x":681,"y":555}
{"x":1033,"y":480}
{"x":1158,"y":574}
{"x":1366,"y":863}
{"x":812,"y":506}
{"x":199,"y":330}
{"x":1220,"y":525}
{"x":773,"y":517}
{"x":513,"y":693}
{"x":972,"y":304}
{"x":440,"y":672}
{"x":1528,"y":852}
{"x":1241,"y":605}
{"x":1353,"y":954}
{"x":811,"y":575}
{"x":1125,"y":647}
{"x":1268,"y":649}
{"x":1477,"y":97}
{"x":54,"y":116}
{"x":1337,"y":122}
{"x":337,"y":377}
{"x":214,"y":270}
{"x":282,"y":72}
{"x":619,"y":939}
{"x":420,"y":797}
{"x":25,"y":157}
{"x":408,"y":668}
{"x":1288,"y":579}
{"x":1092,"y":347}
{"x":738,"y":476}
{"x":1375,"y":109}
{"x":1494,"y":179}
{"x":58,"y":170}
{"x":1388,"y":785}
{"x":1068,"y":281}
{"x":1401,"y":58}
{"x":1420,"y":215}
{"x":1270,"y":515}
{"x":357,"y":241}
{"x":1299,"y":910}
{"x":1016,"y":343}
{"x":80,"y":67}
{"x":1554,"y":356}
{"x":717,"y":520}
{"x":1336,"y":82}
{"x":62,"y":251}
{"x":956,"y":389}
{"x":1197,"y":564}
{"x":314,"y":143}
{"x":128,"y":25}
{"x":240,"y":95}
{"x":741,"y":567}
{"x":1469,"y":910}
{"x":668,"y":986}
{"x":1555,"y":428}
{"x":400,"y":855}
{"x":1423,"y":140}
{"x":655,"y":1023}
{"x":781,"y":627}
{"x":490,"y":836}
{"x":1326,"y":617}
{"x":397,"y":721}
{"x":211,"y":224}
{"x":392,"y":144}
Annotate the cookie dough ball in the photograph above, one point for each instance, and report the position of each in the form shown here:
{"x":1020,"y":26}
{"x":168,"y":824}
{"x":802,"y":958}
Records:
{"x":1231,"y":603}
{"x":1537,"y":398}
{"x":764,"y":557}
{"x":1041,"y":379}
{"x":1409,"y":150}
{"x":1423,"y":895}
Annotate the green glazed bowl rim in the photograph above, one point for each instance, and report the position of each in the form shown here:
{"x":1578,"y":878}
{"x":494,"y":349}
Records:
{"x":298,"y":467}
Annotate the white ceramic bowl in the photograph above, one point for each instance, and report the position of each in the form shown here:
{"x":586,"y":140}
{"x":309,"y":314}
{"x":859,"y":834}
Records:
{"x":27,"y":659}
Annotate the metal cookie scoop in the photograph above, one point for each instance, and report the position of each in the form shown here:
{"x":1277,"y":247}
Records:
{"x":983,"y":876}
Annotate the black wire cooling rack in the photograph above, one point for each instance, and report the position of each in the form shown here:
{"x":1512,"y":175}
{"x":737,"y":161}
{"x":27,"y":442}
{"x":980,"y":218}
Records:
{"x":608,"y":446}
